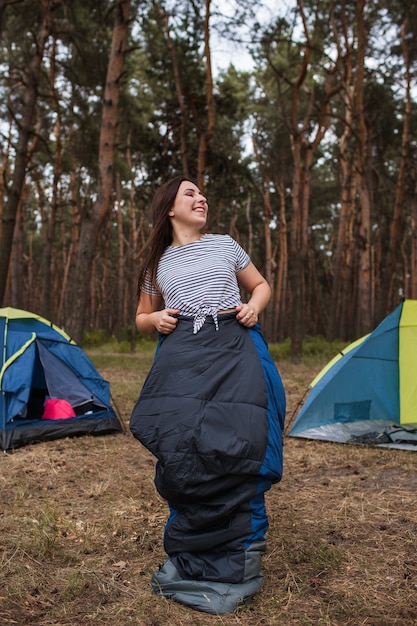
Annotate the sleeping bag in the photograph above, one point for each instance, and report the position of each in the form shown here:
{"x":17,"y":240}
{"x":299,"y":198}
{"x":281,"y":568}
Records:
{"x":212,"y":412}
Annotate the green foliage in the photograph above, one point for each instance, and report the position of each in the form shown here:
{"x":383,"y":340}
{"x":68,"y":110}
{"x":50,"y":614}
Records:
{"x":254,"y":111}
{"x":315,"y":349}
{"x":280,"y":351}
{"x":100,"y":340}
{"x":44,"y":531}
{"x":95,"y":338}
{"x":319,"y":347}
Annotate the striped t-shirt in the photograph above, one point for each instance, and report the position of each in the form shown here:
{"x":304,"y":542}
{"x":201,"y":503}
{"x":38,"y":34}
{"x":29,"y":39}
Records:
{"x":199,"y":278}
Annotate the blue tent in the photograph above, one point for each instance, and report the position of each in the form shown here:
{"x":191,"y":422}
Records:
{"x":368,"y":393}
{"x":39,"y":363}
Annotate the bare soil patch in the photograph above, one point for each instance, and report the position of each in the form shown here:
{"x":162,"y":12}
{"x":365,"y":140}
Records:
{"x":81,"y":531}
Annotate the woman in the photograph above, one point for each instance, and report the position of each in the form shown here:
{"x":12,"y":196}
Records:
{"x":212,"y":407}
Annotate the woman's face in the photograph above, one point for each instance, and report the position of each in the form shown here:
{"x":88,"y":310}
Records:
{"x":190,"y":207}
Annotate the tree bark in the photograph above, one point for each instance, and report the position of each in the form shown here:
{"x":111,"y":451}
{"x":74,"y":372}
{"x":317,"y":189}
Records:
{"x":121,"y":279}
{"x":4,"y":171}
{"x":341,"y":289}
{"x":14,"y":289}
{"x":207,"y":134}
{"x":75,"y":225}
{"x":411,"y":283}
{"x":391,"y":272}
{"x":47,"y":301}
{"x":280,"y":292}
{"x":178,"y":89}
{"x":93,"y":223}
{"x":364,"y":321}
{"x":267,"y":218}
{"x":303,"y":146}
{"x":30,"y":95}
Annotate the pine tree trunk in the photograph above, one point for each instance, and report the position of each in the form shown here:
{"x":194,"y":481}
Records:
{"x":411,"y":284}
{"x":50,"y":261}
{"x":268,"y":323}
{"x":178,"y":89}
{"x":364,"y":321}
{"x":93,"y":223}
{"x":121,"y":280}
{"x":341,"y":291}
{"x":207,"y":134}
{"x":75,"y":229}
{"x":30,"y":95}
{"x":280,"y":294}
{"x":391,"y":273}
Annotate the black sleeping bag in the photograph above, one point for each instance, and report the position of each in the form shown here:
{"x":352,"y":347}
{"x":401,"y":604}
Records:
{"x":212,"y":412}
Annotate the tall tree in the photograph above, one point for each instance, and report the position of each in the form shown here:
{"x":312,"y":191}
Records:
{"x":391,"y":274}
{"x":364,"y":186}
{"x":303,"y":187}
{"x":93,"y":223}
{"x":342,"y":302}
{"x":305,"y":96}
{"x":48,"y":270}
{"x":206,"y":133}
{"x":26,"y":126}
{"x":178,"y":88}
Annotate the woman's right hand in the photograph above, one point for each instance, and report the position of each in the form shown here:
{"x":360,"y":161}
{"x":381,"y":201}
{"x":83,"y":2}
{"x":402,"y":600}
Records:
{"x":164,"y":321}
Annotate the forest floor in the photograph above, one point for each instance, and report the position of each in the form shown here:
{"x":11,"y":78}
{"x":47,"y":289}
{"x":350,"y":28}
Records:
{"x":81,"y":530}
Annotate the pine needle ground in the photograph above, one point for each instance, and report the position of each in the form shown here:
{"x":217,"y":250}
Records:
{"x":81,"y":529}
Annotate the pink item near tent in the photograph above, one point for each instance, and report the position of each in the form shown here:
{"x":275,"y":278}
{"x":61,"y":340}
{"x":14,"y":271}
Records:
{"x":56,"y":409}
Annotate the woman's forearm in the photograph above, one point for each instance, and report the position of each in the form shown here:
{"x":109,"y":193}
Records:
{"x":260,"y":297}
{"x":164,"y":321}
{"x":145,"y":323}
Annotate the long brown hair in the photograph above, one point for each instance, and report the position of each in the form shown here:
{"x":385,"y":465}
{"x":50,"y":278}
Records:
{"x":161,"y":235}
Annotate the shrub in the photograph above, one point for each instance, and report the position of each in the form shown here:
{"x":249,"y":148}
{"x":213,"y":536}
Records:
{"x":316,"y":348}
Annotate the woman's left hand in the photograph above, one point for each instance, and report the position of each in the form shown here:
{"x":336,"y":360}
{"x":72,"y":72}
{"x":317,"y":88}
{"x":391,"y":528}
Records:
{"x":246,"y":315}
{"x":253,"y":283}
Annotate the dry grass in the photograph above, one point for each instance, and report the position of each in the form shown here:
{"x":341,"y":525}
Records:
{"x":81,"y":531}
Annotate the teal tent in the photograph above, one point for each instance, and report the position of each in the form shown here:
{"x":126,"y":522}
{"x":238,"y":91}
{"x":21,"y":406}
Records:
{"x":49,"y":388}
{"x":368,"y":392}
